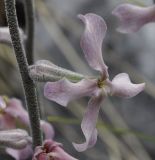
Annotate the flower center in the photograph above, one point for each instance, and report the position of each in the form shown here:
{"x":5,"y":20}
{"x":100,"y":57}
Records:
{"x":3,"y":104}
{"x":1,"y":111}
{"x":100,"y":83}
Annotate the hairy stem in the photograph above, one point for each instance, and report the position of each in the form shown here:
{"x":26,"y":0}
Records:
{"x":28,"y":84}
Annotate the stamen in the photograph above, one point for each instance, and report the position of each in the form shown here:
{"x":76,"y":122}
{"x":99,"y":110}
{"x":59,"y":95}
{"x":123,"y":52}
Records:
{"x":100,"y":83}
{"x":2,"y":111}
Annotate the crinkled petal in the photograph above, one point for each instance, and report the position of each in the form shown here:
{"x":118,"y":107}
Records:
{"x":15,"y":109}
{"x":133,"y":17}
{"x":88,"y":124}
{"x":63,"y":91}
{"x":20,"y":154}
{"x":54,"y":151}
{"x":47,"y":129}
{"x":7,"y":122}
{"x":123,"y":87}
{"x":91,"y":41}
{"x":59,"y":154}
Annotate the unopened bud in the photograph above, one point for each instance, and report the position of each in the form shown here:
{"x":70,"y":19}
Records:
{"x":44,"y":71}
{"x":15,"y":138}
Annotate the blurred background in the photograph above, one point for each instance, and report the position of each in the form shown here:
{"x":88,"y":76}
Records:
{"x":126,"y":126}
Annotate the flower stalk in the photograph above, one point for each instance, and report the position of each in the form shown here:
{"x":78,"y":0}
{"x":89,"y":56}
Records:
{"x":28,"y":84}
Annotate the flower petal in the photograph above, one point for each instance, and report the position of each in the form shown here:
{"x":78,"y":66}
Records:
{"x":122,"y":86}
{"x":20,"y":154}
{"x":7,"y":122}
{"x":63,"y":91}
{"x":47,"y":129}
{"x":53,"y":151}
{"x":89,"y":123}
{"x":133,"y":17}
{"x":91,"y":41}
{"x":59,"y":154}
{"x":15,"y":109}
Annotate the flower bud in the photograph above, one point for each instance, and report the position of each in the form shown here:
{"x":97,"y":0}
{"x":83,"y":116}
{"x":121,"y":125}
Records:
{"x":44,"y":71}
{"x":15,"y":138}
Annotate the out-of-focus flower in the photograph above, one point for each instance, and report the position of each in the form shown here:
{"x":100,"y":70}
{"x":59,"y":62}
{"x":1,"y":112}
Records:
{"x":11,"y":110}
{"x":20,"y":154}
{"x":15,"y":138}
{"x":19,"y":143}
{"x":133,"y":17}
{"x":12,"y":113}
{"x":51,"y":151}
{"x":64,"y":91}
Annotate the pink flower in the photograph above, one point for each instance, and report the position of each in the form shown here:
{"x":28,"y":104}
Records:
{"x":12,"y":113}
{"x":20,"y":154}
{"x":64,"y":91}
{"x":133,"y":17}
{"x":51,"y":150}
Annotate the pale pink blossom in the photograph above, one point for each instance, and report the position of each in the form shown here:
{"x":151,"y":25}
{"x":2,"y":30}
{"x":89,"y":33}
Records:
{"x":64,"y":91}
{"x":133,"y":17}
{"x":12,"y":113}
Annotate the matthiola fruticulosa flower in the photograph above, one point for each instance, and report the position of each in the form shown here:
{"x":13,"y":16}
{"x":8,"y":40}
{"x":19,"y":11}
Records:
{"x":51,"y":151}
{"x":133,"y":17}
{"x":13,"y":113}
{"x":64,"y":91}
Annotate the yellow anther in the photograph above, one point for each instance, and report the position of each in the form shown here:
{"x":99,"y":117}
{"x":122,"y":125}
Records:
{"x":100,"y":83}
{"x":6,"y":99}
{"x":1,"y":111}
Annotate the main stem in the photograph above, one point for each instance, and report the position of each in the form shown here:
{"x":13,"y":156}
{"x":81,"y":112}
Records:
{"x":29,"y":10}
{"x":28,"y":84}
